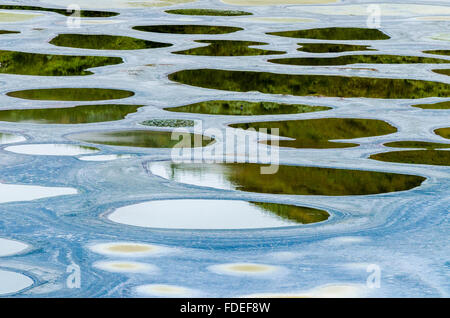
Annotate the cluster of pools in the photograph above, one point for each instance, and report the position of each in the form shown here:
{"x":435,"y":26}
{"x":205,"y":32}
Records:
{"x":86,"y":122}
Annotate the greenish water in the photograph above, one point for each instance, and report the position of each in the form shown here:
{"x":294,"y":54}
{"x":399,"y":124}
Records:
{"x":104,"y":42}
{"x":438,"y":52}
{"x":83,"y":13}
{"x":335,"y":34}
{"x":140,"y":138}
{"x":295,"y":180}
{"x":70,"y":115}
{"x":228,"y":48}
{"x":243,"y":108}
{"x":8,"y":32}
{"x":358,"y":59}
{"x":424,"y":157}
{"x":442,"y":105}
{"x":188,"y":29}
{"x":443,"y":72}
{"x":21,"y":63}
{"x":209,"y":12}
{"x":316,"y":133}
{"x":299,"y":214}
{"x":417,"y":144}
{"x":311,"y":85}
{"x":168,"y":123}
{"x":332,"y":47}
{"x":443,"y":132}
{"x":71,"y":94}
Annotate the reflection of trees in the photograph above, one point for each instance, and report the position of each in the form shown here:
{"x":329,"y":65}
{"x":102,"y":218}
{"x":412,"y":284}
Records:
{"x":21,"y":63}
{"x":298,"y":214}
{"x":426,"y":157}
{"x":228,"y":48}
{"x":304,"y":85}
{"x":315,"y":133}
{"x":218,"y":107}
{"x":71,"y":115}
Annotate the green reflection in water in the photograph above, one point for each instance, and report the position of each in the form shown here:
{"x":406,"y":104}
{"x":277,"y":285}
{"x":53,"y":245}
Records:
{"x":358,"y":59}
{"x":438,"y":52}
{"x":210,"y":12}
{"x":104,"y":42}
{"x":71,"y":94}
{"x":417,"y":144}
{"x":8,"y":32}
{"x":169,"y":123}
{"x":424,"y":157}
{"x":335,"y":34}
{"x":443,"y":72}
{"x":442,"y":105}
{"x":243,"y":108}
{"x":299,"y":180}
{"x":140,"y":138}
{"x":228,"y":48}
{"x":306,"y":85}
{"x":83,"y":13}
{"x":21,"y":63}
{"x":443,"y":132}
{"x":316,"y":133}
{"x":299,"y":214}
{"x":187,"y":29}
{"x":332,"y":47}
{"x":71,"y":115}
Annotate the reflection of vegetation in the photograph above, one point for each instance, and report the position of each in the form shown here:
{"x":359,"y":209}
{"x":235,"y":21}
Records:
{"x":332,"y":47}
{"x":305,"y":85}
{"x":71,"y":94}
{"x":8,"y":32}
{"x":104,"y":42}
{"x":187,"y":29}
{"x":295,"y":213}
{"x":358,"y":59}
{"x":169,"y":123}
{"x":442,"y":105}
{"x":228,"y":48}
{"x":417,"y":144}
{"x":438,"y":52}
{"x":335,"y":34}
{"x":425,"y":157}
{"x":220,"y":107}
{"x":83,"y":13}
{"x":21,"y":63}
{"x":316,"y":133}
{"x":138,"y":138}
{"x":71,"y":115}
{"x":300,"y":180}
{"x":211,"y":12}
{"x":443,"y":132}
{"x":443,"y":72}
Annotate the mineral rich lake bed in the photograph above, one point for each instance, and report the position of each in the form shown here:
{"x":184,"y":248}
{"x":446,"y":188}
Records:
{"x":89,"y":184}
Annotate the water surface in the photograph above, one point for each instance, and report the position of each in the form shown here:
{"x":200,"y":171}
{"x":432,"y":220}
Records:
{"x":335,"y":33}
{"x":208,"y":12}
{"x":215,"y":214}
{"x":298,"y":180}
{"x":228,"y":48}
{"x":188,"y":29}
{"x":104,"y":42}
{"x":332,"y":47}
{"x":71,"y":94}
{"x":245,"y":108}
{"x":83,"y":114}
{"x":316,"y":133}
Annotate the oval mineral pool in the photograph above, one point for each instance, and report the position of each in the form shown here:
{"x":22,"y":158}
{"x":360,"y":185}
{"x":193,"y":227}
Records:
{"x":244,"y":269}
{"x":10,"y":247}
{"x":125,"y":267}
{"x":10,"y":138}
{"x":12,"y":282}
{"x":52,"y":149}
{"x":71,"y":94}
{"x":128,"y":249}
{"x":165,"y":290}
{"x":215,"y":215}
{"x":19,"y":192}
